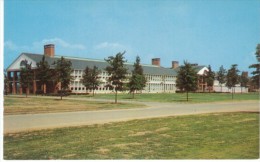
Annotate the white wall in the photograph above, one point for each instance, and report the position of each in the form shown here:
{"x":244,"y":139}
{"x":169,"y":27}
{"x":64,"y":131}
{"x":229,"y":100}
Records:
{"x":237,"y":89}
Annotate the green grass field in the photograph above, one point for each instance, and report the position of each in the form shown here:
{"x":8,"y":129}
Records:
{"x":178,"y":97}
{"x":208,"y":136}
{"x":21,"y":105}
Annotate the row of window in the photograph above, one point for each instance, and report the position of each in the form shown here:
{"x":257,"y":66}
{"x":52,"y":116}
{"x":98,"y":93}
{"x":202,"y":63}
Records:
{"x":149,"y":87}
{"x":104,"y":75}
{"x":83,"y":89}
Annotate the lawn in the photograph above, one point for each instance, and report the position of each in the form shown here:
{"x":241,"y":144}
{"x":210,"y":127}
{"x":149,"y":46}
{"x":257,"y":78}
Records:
{"x":21,"y":105}
{"x":207,"y":136}
{"x":177,"y":97}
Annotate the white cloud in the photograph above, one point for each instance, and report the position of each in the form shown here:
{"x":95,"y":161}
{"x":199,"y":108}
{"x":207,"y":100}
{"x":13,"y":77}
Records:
{"x":38,"y":45}
{"x":10,"y":45}
{"x":58,"y":42}
{"x":109,"y":46}
{"x":62,"y":43}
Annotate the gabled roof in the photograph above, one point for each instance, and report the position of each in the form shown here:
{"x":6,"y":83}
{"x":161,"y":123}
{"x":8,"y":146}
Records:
{"x":197,"y":68}
{"x":81,"y":63}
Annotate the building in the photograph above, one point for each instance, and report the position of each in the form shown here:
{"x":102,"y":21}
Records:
{"x":159,"y":79}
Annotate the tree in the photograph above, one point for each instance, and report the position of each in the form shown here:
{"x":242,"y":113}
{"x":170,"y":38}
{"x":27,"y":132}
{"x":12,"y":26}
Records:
{"x":63,"y":69}
{"x":90,"y":78}
{"x":43,"y":73}
{"x":187,"y":78}
{"x":6,"y":83}
{"x":210,"y":77}
{"x":243,"y":79}
{"x":221,"y":76}
{"x":26,"y":75}
{"x":232,"y":78}
{"x":256,"y":73}
{"x":137,"y":80}
{"x":117,"y":72}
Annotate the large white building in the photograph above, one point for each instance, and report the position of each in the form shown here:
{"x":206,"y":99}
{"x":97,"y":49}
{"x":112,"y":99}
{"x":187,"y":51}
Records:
{"x":159,"y":79}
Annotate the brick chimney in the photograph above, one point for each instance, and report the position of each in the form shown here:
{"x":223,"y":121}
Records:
{"x":49,"y":50}
{"x":245,"y":73}
{"x":175,"y":64}
{"x":156,"y":61}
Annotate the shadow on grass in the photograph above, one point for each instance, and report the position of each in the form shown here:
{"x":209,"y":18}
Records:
{"x":251,"y":112}
{"x":191,"y":99}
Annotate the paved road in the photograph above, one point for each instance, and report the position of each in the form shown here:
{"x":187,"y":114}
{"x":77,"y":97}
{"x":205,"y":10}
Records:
{"x":16,"y":123}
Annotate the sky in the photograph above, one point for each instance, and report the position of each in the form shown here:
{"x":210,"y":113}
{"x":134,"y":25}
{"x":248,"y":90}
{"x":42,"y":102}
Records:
{"x":207,"y":32}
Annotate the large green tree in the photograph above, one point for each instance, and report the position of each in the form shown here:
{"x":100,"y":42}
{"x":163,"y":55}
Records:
{"x":221,"y":76}
{"x":43,"y":73}
{"x":63,"y":70}
{"x":232,"y":78}
{"x":117,"y":71}
{"x":26,"y":76}
{"x":256,"y":72}
{"x":210,"y":77}
{"x":187,"y":79}
{"x":137,"y":80}
{"x":91,"y":78}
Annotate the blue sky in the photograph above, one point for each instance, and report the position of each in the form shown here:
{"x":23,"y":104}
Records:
{"x":208,"y":32}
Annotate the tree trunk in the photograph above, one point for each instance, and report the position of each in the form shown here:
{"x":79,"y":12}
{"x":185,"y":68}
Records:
{"x":133,"y":95}
{"x":26,"y":90}
{"x":232,"y":89}
{"x":187,"y":95}
{"x":116,"y":97}
{"x":61,"y":94}
{"x":44,"y":88}
{"x":93,"y":93}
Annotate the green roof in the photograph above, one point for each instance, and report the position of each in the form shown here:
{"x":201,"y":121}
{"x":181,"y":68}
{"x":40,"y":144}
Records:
{"x":81,"y":63}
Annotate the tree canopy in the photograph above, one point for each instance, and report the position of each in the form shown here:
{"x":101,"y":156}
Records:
{"x":6,"y":83}
{"x":187,"y":78}
{"x":117,"y":72}
{"x":63,"y":69}
{"x":210,"y":77}
{"x":232,"y":78}
{"x":90,"y":78}
{"x":243,"y":79}
{"x":26,"y":76}
{"x":256,"y":72}
{"x":221,"y":76}
{"x":137,"y":80}
{"x":43,"y":73}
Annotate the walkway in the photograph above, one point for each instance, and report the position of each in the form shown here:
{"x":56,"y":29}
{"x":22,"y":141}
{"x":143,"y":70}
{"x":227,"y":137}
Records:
{"x":16,"y":123}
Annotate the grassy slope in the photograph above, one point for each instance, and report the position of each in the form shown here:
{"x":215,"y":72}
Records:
{"x":18,"y":105}
{"x":208,"y":136}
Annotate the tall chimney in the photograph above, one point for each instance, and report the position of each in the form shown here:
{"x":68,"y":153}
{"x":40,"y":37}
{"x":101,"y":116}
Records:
{"x":245,"y":73}
{"x":49,"y":50}
{"x":156,"y":61}
{"x":175,"y":64}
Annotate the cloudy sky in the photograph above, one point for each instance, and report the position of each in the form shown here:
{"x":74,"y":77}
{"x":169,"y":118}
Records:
{"x":207,"y":32}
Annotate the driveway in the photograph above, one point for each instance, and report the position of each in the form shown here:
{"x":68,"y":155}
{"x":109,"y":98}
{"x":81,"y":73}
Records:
{"x":17,"y":123}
